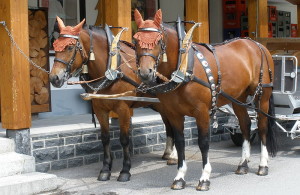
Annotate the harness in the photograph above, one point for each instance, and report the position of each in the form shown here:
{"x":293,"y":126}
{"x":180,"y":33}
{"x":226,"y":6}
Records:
{"x":183,"y":75}
{"x":113,"y":61}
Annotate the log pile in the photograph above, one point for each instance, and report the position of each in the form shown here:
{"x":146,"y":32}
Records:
{"x":39,"y":54}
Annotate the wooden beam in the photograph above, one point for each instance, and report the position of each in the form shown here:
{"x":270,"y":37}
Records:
{"x":116,"y":13}
{"x":197,"y":10}
{"x":258,"y":18}
{"x":14,"y":80}
{"x":298,"y":18}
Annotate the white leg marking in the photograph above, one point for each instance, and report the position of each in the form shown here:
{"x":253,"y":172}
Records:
{"x":206,"y":172}
{"x":264,"y":156}
{"x":181,"y":172}
{"x":174,"y":155}
{"x":245,"y":151}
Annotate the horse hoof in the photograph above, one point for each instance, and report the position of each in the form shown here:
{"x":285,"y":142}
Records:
{"x":262,"y":171}
{"x":172,"y":162}
{"x":104,"y":176}
{"x":203,"y":186}
{"x":166,"y":156}
{"x":241,"y":170}
{"x":124,"y":177}
{"x":178,"y":184}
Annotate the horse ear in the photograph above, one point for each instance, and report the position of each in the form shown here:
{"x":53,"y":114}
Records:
{"x":158,"y":18}
{"x":78,"y":27}
{"x":60,"y":23}
{"x":138,"y":18}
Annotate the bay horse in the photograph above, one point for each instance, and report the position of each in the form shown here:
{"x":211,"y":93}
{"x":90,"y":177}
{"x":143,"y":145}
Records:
{"x":72,"y":51}
{"x":210,"y":78}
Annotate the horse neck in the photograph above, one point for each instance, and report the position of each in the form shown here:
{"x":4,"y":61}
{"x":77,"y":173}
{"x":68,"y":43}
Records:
{"x":97,"y":67}
{"x":130,"y":67}
{"x":172,"y":47}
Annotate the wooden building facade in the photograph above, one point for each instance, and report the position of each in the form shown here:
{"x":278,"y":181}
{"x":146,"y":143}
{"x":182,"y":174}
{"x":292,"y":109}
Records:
{"x":15,"y":94}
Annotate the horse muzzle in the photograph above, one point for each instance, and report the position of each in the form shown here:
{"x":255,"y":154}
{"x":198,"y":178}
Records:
{"x":57,"y":81}
{"x":147,"y":75}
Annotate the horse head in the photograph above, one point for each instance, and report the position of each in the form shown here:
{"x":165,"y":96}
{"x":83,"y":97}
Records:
{"x":150,"y":46}
{"x":69,"y":53}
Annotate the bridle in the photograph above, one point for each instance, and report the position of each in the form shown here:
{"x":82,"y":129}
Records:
{"x":162,"y":48}
{"x":78,"y":47}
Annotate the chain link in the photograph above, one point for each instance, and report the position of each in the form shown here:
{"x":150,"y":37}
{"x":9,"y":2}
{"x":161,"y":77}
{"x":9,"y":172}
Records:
{"x":20,"y":50}
{"x":93,"y":88}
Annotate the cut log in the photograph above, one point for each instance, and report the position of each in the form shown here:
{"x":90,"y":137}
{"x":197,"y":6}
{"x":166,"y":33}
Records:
{"x":42,"y":97}
{"x":43,"y":39}
{"x":36,"y":84}
{"x":41,"y":18}
{"x":34,"y":28}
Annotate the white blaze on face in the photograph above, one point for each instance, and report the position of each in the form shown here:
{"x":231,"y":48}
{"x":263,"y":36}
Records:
{"x":264,"y":156}
{"x":181,"y":172}
{"x":245,"y":151}
{"x":206,"y":171}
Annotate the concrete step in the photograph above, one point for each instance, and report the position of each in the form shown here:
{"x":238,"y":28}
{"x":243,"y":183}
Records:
{"x":29,"y":183}
{"x":12,"y":163}
{"x":6,"y":145}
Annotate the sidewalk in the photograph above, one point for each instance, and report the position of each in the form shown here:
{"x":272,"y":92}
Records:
{"x":151,"y":175}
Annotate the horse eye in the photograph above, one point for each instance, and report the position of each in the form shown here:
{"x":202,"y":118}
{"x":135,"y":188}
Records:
{"x":70,"y":47}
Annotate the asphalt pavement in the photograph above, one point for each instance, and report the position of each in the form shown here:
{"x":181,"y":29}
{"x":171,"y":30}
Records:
{"x":151,"y":175}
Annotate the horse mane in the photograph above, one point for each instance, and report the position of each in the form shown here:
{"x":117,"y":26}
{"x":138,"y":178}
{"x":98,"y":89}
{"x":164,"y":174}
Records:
{"x":97,"y":29}
{"x":131,"y":45}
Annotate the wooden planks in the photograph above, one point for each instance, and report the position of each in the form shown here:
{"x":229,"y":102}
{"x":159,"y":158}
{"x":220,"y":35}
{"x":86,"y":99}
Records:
{"x":14,"y":79}
{"x":197,"y":10}
{"x":258,"y":18}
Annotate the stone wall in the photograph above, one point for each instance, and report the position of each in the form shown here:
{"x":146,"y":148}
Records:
{"x":82,"y":147}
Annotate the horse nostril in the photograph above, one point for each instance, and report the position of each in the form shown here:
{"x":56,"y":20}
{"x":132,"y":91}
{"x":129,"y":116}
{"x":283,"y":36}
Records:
{"x":150,"y":71}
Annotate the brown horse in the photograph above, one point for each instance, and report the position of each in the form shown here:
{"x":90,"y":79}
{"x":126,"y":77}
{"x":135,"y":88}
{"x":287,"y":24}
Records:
{"x":72,"y":50}
{"x":241,"y":67}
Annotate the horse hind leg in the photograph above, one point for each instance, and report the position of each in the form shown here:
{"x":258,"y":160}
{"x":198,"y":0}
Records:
{"x":245,"y":125}
{"x":170,"y":153}
{"x":266,"y":132}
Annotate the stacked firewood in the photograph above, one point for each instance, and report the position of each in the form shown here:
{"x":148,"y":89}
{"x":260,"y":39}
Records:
{"x":38,"y":52}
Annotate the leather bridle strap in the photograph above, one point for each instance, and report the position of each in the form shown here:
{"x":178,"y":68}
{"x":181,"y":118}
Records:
{"x":149,"y":30}
{"x":147,"y":54}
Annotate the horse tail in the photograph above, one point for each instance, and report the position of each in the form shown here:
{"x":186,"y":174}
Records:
{"x":272,"y":145}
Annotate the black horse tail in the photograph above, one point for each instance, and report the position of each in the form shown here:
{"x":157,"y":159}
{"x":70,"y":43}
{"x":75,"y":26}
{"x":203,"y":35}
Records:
{"x":272,"y":145}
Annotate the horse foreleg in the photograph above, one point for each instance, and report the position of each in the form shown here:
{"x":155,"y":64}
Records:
{"x":170,"y":153}
{"x":105,"y":138}
{"x":177,"y":124}
{"x":245,"y":125}
{"x":203,"y":143}
{"x":124,"y":119}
